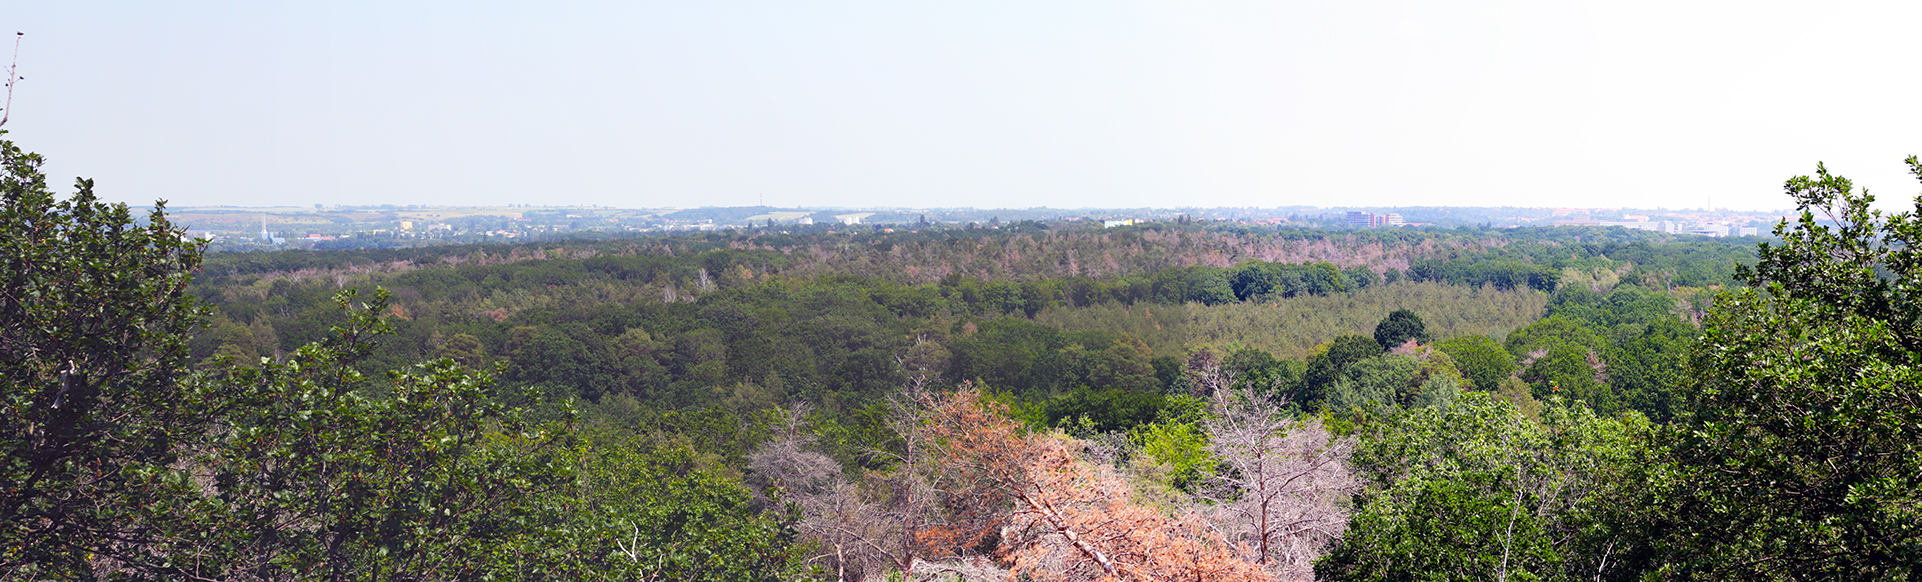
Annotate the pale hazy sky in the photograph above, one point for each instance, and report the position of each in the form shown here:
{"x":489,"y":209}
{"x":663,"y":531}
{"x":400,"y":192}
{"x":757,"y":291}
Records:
{"x":981,"y":103}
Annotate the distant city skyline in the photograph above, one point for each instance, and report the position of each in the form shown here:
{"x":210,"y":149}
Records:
{"x":1305,"y":207}
{"x":230,"y":228}
{"x":1377,"y":103}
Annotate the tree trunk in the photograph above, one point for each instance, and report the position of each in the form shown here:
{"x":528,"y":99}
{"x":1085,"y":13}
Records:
{"x":1061,"y":526}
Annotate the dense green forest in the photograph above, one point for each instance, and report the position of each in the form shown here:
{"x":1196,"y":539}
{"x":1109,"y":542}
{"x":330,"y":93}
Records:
{"x":757,"y":323}
{"x":1204,"y":401}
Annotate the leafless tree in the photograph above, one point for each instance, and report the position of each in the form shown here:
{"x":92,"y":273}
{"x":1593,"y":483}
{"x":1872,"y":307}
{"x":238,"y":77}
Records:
{"x":1206,"y":374}
{"x":975,"y":569}
{"x":833,"y":511}
{"x":869,"y":525}
{"x":1285,"y":486}
{"x":859,"y":535}
{"x":787,"y":465}
{"x":13,"y":77}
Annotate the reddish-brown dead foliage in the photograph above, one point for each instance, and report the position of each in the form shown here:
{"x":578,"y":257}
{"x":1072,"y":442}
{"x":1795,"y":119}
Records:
{"x":1059,"y":518}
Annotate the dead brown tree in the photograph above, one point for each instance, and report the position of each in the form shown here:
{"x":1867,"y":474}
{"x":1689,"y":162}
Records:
{"x":1060,"y":518}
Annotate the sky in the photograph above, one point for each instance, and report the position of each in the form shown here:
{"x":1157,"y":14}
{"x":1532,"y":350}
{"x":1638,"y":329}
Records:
{"x":984,"y":103}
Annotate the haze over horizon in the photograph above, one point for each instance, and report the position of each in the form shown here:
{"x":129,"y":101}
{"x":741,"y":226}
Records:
{"x":984,"y":105}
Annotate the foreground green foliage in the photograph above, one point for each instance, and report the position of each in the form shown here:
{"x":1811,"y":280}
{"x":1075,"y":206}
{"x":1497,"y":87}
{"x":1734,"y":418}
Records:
{"x":1802,"y":458}
{"x":94,"y":412}
{"x":645,"y":513}
{"x":320,"y":472}
{"x":1793,"y":455}
{"x":1477,"y":491}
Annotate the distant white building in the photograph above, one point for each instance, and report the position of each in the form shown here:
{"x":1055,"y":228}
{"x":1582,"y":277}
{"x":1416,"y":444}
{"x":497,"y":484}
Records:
{"x":1654,"y":226}
{"x":268,"y":236}
{"x":1370,"y":219}
{"x":1651,"y":226}
{"x":779,"y":218}
{"x":852,"y":218}
{"x":1115,"y":223}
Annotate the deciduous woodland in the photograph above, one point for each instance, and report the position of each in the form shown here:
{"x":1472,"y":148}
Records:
{"x":1043,"y":402}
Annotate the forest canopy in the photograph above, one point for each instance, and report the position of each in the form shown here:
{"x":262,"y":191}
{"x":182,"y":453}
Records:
{"x":1164,"y":401}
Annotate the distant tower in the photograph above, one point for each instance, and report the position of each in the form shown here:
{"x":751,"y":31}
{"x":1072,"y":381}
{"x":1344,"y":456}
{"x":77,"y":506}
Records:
{"x":264,"y":235}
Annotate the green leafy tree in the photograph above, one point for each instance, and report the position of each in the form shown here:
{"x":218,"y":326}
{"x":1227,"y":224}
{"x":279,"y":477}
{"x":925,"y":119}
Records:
{"x":1575,"y":372}
{"x":1801,"y":458}
{"x":643,"y":513}
{"x":464,"y":349}
{"x":639,"y":356}
{"x":1636,"y":344}
{"x":1623,"y":304}
{"x":1125,"y":364}
{"x":1262,"y":373}
{"x":1481,"y":359}
{"x":1171,"y":373}
{"x":1325,"y":368}
{"x":324,"y":474}
{"x":1562,"y":357}
{"x":1382,"y":384}
{"x":1262,"y":281}
{"x":1179,"y":448}
{"x":1202,"y":284}
{"x":94,"y":317}
{"x":1361,"y":277}
{"x":1650,"y":364}
{"x":1478,"y":491}
{"x":555,"y":357}
{"x":1372,"y":385}
{"x":1105,"y":410}
{"x":1400,"y":326}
